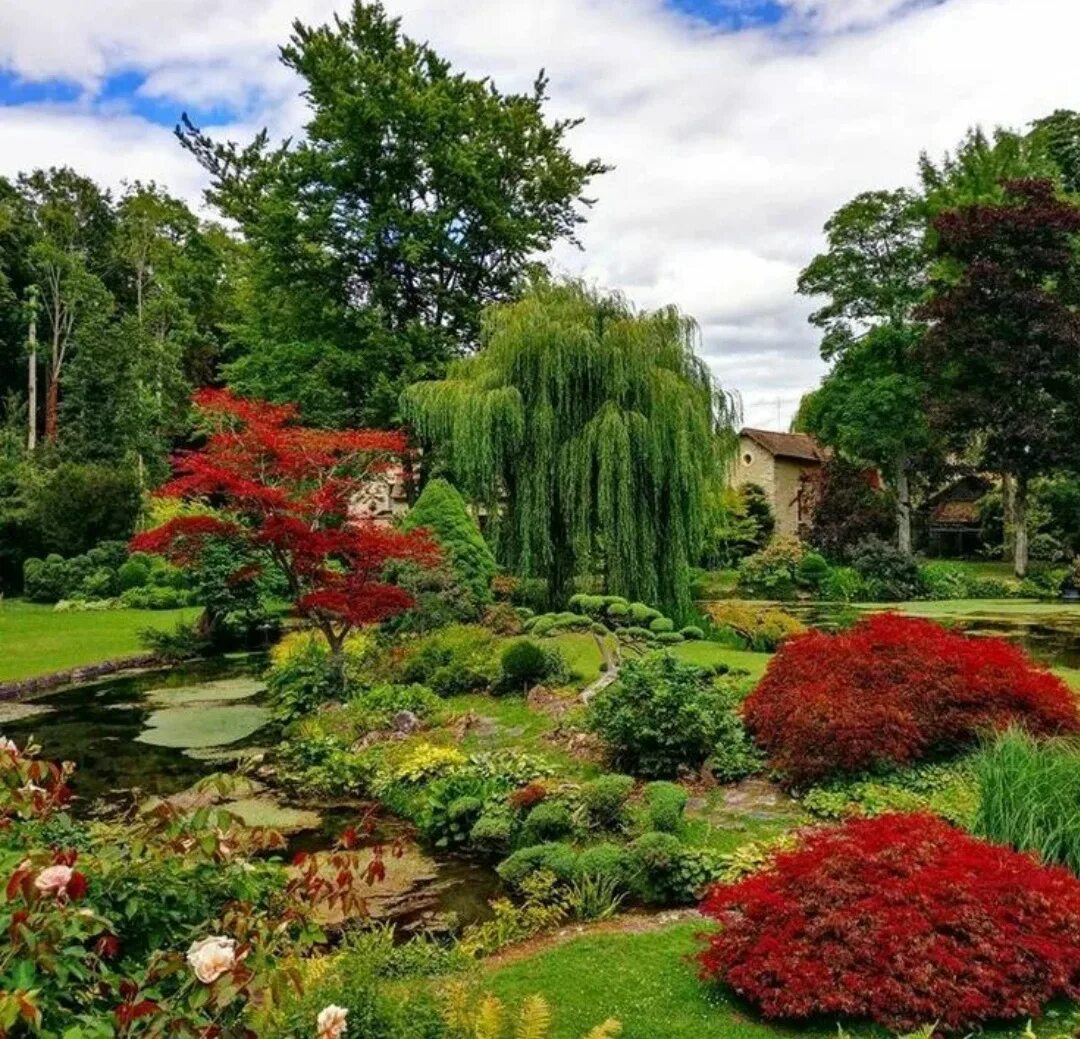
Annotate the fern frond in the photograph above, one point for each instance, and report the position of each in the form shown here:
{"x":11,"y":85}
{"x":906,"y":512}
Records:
{"x":535,"y":1019}
{"x":608,"y":1030}
{"x":489,"y":1018}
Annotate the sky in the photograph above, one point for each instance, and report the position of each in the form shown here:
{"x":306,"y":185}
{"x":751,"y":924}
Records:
{"x":736,"y":127}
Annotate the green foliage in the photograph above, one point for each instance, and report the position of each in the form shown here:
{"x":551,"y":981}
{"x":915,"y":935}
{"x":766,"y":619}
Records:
{"x":888,"y":574}
{"x":1029,"y":796}
{"x":612,"y":863}
{"x":734,"y":755}
{"x":661,"y":624}
{"x":558,"y":859}
{"x":941,"y":581}
{"x":442,"y":510}
{"x":303,"y":682}
{"x":659,"y":717}
{"x":604,"y":800}
{"x":458,"y":659}
{"x":843,"y":584}
{"x":76,"y":506}
{"x":94,"y":575}
{"x":421,"y":194}
{"x":665,"y":803}
{"x":584,"y":409}
{"x":692,"y":633}
{"x":525,"y":663}
{"x":740,"y":522}
{"x":812,"y":571}
{"x":773,"y":572}
{"x":548,"y":821}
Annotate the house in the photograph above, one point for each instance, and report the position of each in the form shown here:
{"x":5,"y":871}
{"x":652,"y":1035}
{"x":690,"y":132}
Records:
{"x":953,"y":523}
{"x":384,"y":496}
{"x":783,"y":465}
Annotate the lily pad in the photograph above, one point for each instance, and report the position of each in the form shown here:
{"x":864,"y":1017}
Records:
{"x":265,"y":812}
{"x":222,"y":691}
{"x":15,"y":711}
{"x":208,"y":726}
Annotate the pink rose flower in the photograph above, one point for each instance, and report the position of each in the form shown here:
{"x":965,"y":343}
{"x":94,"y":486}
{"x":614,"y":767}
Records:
{"x":212,"y":957}
{"x":331,"y":1022}
{"x":53,"y":880}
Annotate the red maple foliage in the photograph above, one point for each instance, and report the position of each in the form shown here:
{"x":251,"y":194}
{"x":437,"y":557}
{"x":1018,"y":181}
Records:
{"x":894,"y":690}
{"x":902,"y":920}
{"x":281,"y":491}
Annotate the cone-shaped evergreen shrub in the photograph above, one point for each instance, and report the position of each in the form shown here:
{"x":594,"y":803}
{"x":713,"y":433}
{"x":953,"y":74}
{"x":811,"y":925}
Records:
{"x":902,"y":920}
{"x":893,"y":690}
{"x":442,"y":510}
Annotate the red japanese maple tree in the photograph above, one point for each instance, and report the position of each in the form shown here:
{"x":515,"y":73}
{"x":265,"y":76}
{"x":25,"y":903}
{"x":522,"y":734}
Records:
{"x":281,"y":493}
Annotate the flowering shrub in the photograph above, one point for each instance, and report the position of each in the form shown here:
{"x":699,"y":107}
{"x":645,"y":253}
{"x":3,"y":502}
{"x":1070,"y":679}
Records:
{"x":902,"y":920}
{"x":166,"y":927}
{"x":894,"y":690}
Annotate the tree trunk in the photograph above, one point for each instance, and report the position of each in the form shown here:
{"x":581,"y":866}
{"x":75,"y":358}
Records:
{"x":1020,"y":519}
{"x":903,"y":506}
{"x":1008,"y":517}
{"x":31,"y":385}
{"x":52,"y":406}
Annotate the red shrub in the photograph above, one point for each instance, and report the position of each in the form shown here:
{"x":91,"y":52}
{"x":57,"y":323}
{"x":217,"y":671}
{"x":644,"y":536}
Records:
{"x":902,"y":920}
{"x":894,"y":690}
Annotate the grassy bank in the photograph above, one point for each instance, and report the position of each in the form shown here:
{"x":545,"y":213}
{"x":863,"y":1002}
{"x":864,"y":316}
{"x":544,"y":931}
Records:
{"x":35,"y":640}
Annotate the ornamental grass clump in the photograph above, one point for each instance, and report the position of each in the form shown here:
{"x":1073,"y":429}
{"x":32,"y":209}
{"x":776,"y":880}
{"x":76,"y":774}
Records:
{"x":1029,"y":796}
{"x":895,"y":690}
{"x":901,"y":920}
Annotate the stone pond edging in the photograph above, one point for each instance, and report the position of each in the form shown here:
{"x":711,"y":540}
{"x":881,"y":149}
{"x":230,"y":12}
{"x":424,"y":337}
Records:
{"x":27,"y":687}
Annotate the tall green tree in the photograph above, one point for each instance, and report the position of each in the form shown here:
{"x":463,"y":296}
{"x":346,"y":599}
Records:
{"x":871,"y":276}
{"x":1003,"y":348}
{"x":592,"y":432}
{"x":417,"y":197}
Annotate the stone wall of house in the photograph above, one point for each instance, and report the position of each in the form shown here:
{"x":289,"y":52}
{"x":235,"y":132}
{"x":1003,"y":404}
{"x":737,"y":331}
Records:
{"x":755,"y":465}
{"x":787,"y":484}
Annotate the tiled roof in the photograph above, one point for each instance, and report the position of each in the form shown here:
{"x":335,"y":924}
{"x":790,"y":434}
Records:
{"x":787,"y":445}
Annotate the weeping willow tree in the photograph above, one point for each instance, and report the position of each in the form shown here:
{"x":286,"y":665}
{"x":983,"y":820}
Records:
{"x":592,"y":432}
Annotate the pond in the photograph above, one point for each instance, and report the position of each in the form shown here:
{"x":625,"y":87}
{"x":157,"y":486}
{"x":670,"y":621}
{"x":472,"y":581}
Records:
{"x":157,"y":733}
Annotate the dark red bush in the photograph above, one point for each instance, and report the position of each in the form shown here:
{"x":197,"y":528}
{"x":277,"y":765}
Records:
{"x":901,"y":920}
{"x":893,"y":690}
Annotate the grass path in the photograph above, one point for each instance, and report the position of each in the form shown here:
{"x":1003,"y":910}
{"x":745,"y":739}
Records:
{"x":35,"y":640}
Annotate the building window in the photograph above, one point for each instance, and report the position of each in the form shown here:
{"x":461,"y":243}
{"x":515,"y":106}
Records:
{"x":747,"y":458}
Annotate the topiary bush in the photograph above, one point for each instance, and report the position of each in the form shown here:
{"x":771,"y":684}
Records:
{"x":812,"y":571}
{"x":665,"y":803}
{"x":901,"y":920}
{"x":894,"y":690}
{"x":442,"y":510}
{"x":548,"y":821}
{"x":659,"y":717}
{"x":604,"y":800}
{"x":558,"y":859}
{"x":525,"y":663}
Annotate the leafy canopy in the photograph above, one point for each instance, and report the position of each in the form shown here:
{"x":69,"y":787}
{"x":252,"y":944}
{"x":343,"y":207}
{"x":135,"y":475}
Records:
{"x":417,"y":196}
{"x":593,"y":431}
{"x":286,"y":491}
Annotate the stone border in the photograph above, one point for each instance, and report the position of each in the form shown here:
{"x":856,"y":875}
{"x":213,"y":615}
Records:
{"x":27,"y":687}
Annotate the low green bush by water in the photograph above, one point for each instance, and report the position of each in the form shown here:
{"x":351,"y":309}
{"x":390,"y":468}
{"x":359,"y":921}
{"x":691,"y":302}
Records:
{"x":1029,"y":796}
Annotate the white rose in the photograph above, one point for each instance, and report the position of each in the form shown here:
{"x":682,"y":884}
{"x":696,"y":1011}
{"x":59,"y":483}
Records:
{"x":53,"y":880}
{"x":331,"y":1022}
{"x":8,"y":745}
{"x":212,"y":957}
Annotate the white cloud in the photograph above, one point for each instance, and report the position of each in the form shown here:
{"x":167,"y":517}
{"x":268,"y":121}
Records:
{"x":731,"y":149}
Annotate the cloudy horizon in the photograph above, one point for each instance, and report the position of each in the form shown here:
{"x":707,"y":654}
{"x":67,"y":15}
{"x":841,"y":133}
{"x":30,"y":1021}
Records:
{"x":736,"y":127}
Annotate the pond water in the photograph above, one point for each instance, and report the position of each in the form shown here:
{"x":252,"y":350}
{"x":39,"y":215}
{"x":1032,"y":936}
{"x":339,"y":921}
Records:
{"x":157,"y":733}
{"x":1049,"y":631}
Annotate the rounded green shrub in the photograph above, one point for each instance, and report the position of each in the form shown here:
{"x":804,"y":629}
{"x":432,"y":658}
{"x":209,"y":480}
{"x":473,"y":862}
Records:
{"x":493,"y":831}
{"x":618,"y":611}
{"x":611,"y":862}
{"x":692,"y":633}
{"x":558,"y":859}
{"x":812,"y":570}
{"x":669,"y":638}
{"x":548,"y":821}
{"x":134,"y":573}
{"x":639,"y":613}
{"x":665,"y":803}
{"x":523,"y":664}
{"x":605,"y":799}
{"x":661,"y":624}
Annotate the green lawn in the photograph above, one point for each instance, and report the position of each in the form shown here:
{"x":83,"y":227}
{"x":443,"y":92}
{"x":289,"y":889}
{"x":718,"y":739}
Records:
{"x":35,"y":640}
{"x":649,"y":983}
{"x":706,"y":654}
